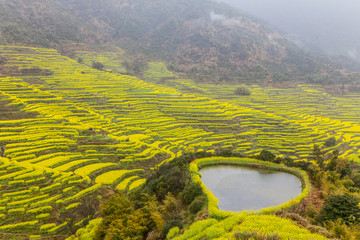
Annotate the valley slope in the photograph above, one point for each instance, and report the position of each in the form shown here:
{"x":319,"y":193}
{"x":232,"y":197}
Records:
{"x":200,"y":39}
{"x":96,"y":95}
{"x":69,"y":130}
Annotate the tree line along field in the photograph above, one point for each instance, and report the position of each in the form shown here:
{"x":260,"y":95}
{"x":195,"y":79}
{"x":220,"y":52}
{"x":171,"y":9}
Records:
{"x":72,"y":134}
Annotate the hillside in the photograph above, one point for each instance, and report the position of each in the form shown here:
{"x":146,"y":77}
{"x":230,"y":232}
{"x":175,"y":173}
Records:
{"x":78,"y":133}
{"x":104,"y":130}
{"x":200,"y":39}
{"x":43,"y":23}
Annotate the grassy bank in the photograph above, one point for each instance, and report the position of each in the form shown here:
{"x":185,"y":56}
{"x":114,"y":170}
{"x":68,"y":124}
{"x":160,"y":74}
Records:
{"x":214,"y":211}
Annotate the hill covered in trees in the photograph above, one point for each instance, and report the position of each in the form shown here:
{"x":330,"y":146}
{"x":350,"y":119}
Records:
{"x":202,"y":39}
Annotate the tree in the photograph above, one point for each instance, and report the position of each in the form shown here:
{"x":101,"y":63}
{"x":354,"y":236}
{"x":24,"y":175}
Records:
{"x":340,"y":206}
{"x":176,"y":221}
{"x":242,"y":91}
{"x":330,"y":142}
{"x":333,"y":162}
{"x":136,"y":65}
{"x":197,"y":204}
{"x":98,"y":65}
{"x":318,"y":156}
{"x":191,"y":192}
{"x":340,"y":230}
{"x":169,"y":178}
{"x":114,"y":212}
{"x":122,"y":221}
{"x":266,"y":155}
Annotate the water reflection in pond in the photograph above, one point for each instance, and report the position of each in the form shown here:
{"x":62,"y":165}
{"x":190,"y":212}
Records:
{"x":243,"y":188}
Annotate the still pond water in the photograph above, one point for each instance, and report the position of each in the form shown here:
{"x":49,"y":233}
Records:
{"x":243,"y":188}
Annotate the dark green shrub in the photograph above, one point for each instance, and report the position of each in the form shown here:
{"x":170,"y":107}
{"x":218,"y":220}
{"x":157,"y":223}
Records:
{"x":225,"y":153}
{"x":242,"y":91}
{"x":266,"y":155}
{"x":356,"y":179}
{"x":200,"y":154}
{"x":277,"y":160}
{"x":288,"y":161}
{"x":340,"y":206}
{"x":318,"y":156}
{"x":169,"y":178}
{"x":176,"y":221}
{"x":304,"y":165}
{"x":191,"y":192}
{"x":36,"y":71}
{"x":346,"y":171}
{"x":330,"y":142}
{"x":98,"y":65}
{"x":197,"y":204}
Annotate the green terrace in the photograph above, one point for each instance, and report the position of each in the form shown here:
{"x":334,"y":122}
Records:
{"x":71,"y":132}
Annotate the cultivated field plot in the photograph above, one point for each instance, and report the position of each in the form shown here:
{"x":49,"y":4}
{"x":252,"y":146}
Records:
{"x":290,"y":121}
{"x":71,"y":134}
{"x":108,"y":55}
{"x":249,"y":226}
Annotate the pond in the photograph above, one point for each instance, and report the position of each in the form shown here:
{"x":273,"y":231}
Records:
{"x":242,"y":188}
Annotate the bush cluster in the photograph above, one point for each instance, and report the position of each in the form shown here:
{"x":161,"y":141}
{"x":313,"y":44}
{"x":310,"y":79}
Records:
{"x":242,"y":91}
{"x":168,"y":199}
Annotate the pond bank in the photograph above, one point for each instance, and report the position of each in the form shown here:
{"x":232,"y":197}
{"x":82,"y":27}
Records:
{"x":253,"y":163}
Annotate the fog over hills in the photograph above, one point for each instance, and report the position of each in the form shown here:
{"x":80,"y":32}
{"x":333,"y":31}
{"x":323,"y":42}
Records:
{"x":328,"y":26}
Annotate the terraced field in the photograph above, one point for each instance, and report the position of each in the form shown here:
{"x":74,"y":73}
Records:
{"x":108,"y":55}
{"x":249,"y":226}
{"x":289,"y":121}
{"x":70,"y":133}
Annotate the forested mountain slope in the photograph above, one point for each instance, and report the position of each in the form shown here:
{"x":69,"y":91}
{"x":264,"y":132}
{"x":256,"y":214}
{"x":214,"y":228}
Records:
{"x":202,"y":39}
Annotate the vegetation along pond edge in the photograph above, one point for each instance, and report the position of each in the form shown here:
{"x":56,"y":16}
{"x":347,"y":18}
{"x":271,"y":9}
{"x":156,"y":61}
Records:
{"x":215,"y":212}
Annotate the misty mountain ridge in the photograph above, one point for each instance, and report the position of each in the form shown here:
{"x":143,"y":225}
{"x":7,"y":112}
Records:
{"x":326,"y":28}
{"x":201,"y":39}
